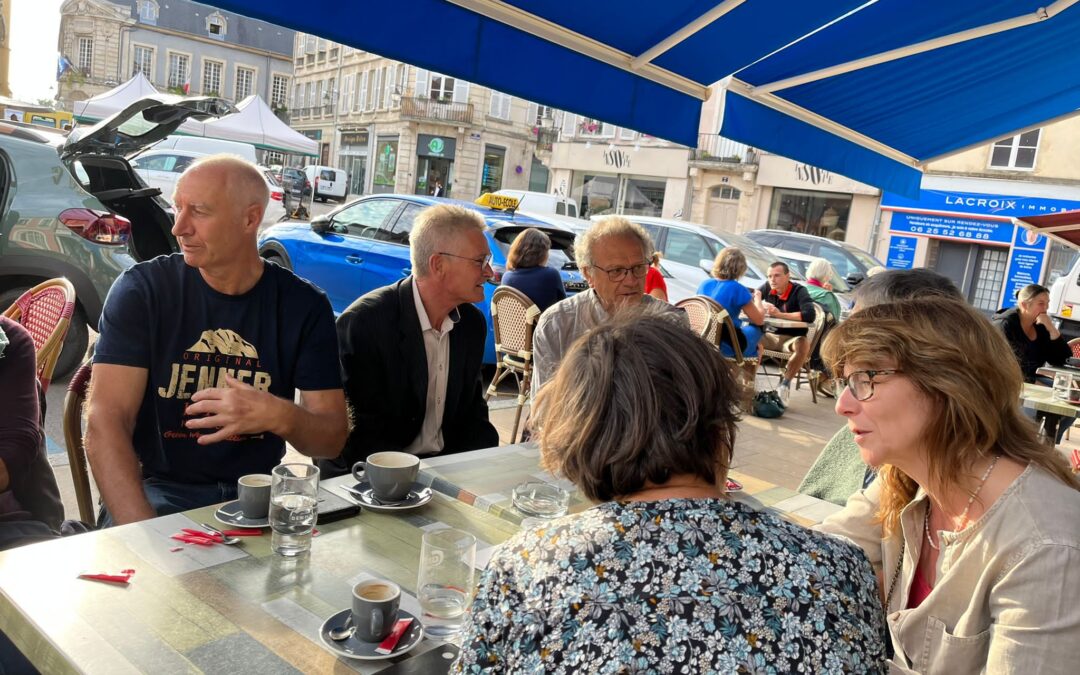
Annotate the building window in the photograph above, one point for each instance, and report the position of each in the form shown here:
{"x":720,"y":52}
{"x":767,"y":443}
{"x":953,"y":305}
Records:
{"x":724,"y":192}
{"x":589,"y":127}
{"x":278,"y":88}
{"x":148,"y":12}
{"x":380,"y":87}
{"x":178,"y":71}
{"x":216,"y":26}
{"x":369,"y":102}
{"x":211,"y":78}
{"x":143,"y":62}
{"x":1017,"y":152}
{"x":626,"y":134}
{"x":542,"y":113}
{"x":500,"y":105}
{"x":822,"y":213}
{"x":442,"y":88}
{"x":298,"y":96}
{"x":245,"y":83}
{"x":86,"y":54}
{"x":402,"y":81}
{"x":491,"y":177}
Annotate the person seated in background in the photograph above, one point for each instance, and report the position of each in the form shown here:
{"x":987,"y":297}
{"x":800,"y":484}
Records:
{"x":201,"y":355}
{"x":654,"y":279}
{"x":972,"y":521}
{"x":818,"y":274}
{"x":1035,"y":341}
{"x":839,"y":471}
{"x":725,"y":289}
{"x":527,"y":269}
{"x":411,"y":352}
{"x":614,"y":256}
{"x":784,"y":299}
{"x":667,"y":573}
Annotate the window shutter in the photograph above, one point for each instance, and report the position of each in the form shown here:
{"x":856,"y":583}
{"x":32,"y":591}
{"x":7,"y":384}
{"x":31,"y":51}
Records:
{"x":388,"y":86}
{"x":377,"y":103}
{"x":461,"y":91}
{"x":505,"y":109}
{"x":532,"y":114}
{"x":422,"y":83}
{"x":361,"y":96}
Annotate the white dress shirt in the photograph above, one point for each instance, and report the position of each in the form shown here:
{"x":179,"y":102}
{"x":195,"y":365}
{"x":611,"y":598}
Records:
{"x":437,"y":350}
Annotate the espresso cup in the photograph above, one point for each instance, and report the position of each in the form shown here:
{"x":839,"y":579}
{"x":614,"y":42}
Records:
{"x":391,"y":474}
{"x":375,"y":605}
{"x":253,"y":490}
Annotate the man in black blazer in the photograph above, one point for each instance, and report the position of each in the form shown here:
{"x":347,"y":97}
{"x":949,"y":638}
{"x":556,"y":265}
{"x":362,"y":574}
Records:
{"x":411,"y":352}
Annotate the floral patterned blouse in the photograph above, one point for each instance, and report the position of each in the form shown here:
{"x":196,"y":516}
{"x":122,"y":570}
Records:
{"x":675,"y":586}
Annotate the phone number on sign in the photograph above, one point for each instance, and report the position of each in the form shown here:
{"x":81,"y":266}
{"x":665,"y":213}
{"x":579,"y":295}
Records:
{"x":949,"y":232}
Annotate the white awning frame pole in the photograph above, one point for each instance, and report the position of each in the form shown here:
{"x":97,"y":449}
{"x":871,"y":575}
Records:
{"x":1017,"y":132}
{"x":823,"y":123}
{"x":683,"y":33}
{"x":1041,"y":14}
{"x":554,"y":33}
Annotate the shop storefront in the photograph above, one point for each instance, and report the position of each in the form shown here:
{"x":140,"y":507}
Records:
{"x":803,"y":198}
{"x":435,"y":164}
{"x":608,"y":179}
{"x":353,"y":158}
{"x":969,"y":236}
{"x":491,"y":172}
{"x":385,"y":165}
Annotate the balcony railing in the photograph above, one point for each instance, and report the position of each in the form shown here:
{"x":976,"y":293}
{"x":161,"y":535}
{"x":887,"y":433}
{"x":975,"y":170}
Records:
{"x":546,"y":137}
{"x":714,"y":148}
{"x":428,"y":109}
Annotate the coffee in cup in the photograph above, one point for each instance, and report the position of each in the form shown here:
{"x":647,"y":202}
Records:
{"x":390,"y":474}
{"x":375,"y":606}
{"x":253,"y":491}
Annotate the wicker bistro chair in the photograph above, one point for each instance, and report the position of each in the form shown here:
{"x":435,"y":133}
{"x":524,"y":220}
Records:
{"x":73,"y":438}
{"x":712,"y":322}
{"x":813,"y":336}
{"x":45,"y":311}
{"x":514,"y":317}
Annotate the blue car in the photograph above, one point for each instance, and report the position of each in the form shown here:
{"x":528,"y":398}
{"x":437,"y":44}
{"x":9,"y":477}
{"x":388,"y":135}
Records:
{"x":365,"y":245}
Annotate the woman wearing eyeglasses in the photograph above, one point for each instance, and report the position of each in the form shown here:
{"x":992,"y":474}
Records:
{"x":972,"y":524}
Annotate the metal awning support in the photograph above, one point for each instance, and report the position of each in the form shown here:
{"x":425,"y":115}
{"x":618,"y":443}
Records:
{"x":546,"y":30}
{"x":683,"y":33}
{"x":1042,"y":14}
{"x":804,"y":115}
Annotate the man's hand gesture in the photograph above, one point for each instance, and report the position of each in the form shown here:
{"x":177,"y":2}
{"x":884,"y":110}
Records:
{"x":233,"y":410}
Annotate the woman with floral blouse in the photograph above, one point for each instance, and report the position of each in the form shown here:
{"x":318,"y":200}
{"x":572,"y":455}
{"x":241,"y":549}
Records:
{"x":666,"y":573}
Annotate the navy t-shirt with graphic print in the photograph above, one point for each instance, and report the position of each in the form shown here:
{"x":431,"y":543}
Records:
{"x":161,"y":315}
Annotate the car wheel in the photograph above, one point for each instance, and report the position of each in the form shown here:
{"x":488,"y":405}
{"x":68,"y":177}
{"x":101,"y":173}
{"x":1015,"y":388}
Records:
{"x":75,"y":342}
{"x":277,"y":260}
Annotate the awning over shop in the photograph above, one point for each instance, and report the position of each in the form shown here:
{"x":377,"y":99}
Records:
{"x":1063,"y":227}
{"x":871,"y":90}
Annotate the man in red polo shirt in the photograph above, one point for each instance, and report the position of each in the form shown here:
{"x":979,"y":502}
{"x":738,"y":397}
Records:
{"x":786,"y":300}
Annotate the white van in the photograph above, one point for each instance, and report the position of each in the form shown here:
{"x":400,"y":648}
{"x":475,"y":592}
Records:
{"x":541,"y":202}
{"x":1065,"y":302}
{"x":207,"y":146}
{"x":327,"y":182}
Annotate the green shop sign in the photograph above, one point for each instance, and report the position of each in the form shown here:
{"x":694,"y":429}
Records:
{"x":436,"y":146}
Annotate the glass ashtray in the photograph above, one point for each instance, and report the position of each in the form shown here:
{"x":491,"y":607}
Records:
{"x":541,"y":500}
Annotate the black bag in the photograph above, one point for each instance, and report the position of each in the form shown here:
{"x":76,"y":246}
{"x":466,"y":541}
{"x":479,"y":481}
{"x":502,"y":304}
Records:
{"x":767,"y":404}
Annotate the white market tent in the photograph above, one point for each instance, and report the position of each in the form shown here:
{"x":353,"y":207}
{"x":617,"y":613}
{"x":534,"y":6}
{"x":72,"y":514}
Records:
{"x":113,"y":101}
{"x":255,"y":123}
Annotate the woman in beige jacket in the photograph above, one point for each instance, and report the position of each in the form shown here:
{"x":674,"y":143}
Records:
{"x":972,"y":524}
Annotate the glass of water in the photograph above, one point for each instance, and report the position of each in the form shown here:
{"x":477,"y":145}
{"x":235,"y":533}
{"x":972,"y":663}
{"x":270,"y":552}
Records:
{"x":1062,"y":382}
{"x":445,"y":583}
{"x":293,"y":507}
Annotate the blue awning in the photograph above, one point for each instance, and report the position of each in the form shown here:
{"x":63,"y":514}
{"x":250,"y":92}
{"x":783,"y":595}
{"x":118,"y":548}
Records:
{"x":994,"y":68}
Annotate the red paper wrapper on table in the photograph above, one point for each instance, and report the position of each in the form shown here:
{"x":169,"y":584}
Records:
{"x":122,"y":578}
{"x":387,"y":646}
{"x":1076,"y":460}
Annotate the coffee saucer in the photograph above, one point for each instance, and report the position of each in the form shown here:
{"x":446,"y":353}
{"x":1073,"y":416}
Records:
{"x":418,"y":496}
{"x":230,"y":514}
{"x":355,"y":648}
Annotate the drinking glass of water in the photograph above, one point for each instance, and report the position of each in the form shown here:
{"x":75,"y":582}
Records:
{"x":447,"y":559}
{"x":293,"y":507}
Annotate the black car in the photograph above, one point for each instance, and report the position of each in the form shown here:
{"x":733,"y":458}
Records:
{"x":295,"y":182}
{"x":850,"y":262}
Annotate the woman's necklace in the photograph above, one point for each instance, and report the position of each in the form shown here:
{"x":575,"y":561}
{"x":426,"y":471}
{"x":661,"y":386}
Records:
{"x":964,"y":515}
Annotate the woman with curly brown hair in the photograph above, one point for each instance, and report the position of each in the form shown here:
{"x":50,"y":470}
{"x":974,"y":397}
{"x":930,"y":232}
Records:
{"x":972,"y":523}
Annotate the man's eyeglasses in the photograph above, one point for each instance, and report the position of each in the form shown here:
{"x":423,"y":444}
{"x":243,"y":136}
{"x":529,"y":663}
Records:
{"x":617,"y":274}
{"x":861,"y":382}
{"x":482,"y":263}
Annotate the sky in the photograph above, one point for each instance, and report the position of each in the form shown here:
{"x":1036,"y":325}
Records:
{"x":35,"y":25}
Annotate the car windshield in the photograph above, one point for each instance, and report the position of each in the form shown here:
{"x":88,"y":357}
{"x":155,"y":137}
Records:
{"x":864,"y":258}
{"x":560,"y":257}
{"x":758,"y":258}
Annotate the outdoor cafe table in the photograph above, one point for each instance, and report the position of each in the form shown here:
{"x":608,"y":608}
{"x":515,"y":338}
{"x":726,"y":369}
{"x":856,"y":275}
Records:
{"x":244,"y":609}
{"x":785,"y":323}
{"x":1041,"y":398}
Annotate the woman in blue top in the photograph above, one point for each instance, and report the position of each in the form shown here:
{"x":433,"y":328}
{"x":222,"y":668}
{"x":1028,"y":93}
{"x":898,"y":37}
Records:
{"x":726,"y":290}
{"x":528,"y":270}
